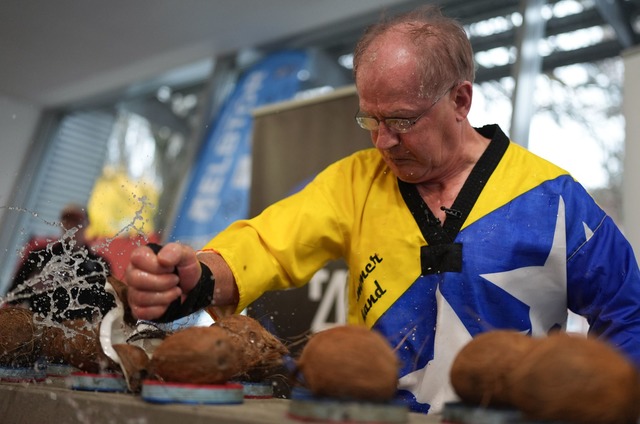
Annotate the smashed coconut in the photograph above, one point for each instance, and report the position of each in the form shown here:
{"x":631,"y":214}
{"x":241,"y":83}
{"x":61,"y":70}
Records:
{"x":234,"y":347}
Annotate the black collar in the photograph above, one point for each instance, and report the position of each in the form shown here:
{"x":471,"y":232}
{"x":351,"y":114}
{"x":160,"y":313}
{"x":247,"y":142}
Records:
{"x":429,"y":225}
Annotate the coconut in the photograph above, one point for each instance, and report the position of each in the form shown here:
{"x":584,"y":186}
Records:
{"x":53,"y":344}
{"x":75,"y":342}
{"x":576,"y":380}
{"x":18,"y":337}
{"x":260,"y":351}
{"x":480,"y":369}
{"x":198,"y":355}
{"x":349,"y":362}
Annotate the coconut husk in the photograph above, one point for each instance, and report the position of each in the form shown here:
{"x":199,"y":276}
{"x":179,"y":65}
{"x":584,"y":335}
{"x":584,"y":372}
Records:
{"x":18,"y":337}
{"x":576,"y":380}
{"x":198,"y":355}
{"x":53,"y":344}
{"x":349,"y":362}
{"x":480,"y":370}
{"x":260,"y":351}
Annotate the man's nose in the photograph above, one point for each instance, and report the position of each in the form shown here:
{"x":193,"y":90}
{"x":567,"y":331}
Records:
{"x":384,"y":138}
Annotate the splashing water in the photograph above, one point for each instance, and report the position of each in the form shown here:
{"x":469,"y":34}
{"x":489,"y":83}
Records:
{"x":69,"y":277}
{"x":66,"y":284}
{"x":136,"y":225}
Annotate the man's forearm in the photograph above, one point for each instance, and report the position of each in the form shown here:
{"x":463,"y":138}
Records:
{"x":225,"y":296}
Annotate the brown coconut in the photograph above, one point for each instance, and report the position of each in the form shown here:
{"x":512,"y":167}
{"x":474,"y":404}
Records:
{"x":18,"y":337}
{"x":77,"y":343}
{"x":198,"y":355}
{"x":259,"y":349}
{"x":349,"y":362}
{"x":576,"y":380}
{"x":480,"y":369}
{"x":53,"y":344}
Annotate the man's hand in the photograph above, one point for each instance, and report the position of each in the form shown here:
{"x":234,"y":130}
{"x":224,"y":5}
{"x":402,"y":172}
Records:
{"x":155,"y":281}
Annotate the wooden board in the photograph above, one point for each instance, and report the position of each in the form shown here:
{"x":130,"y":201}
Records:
{"x":62,"y":405}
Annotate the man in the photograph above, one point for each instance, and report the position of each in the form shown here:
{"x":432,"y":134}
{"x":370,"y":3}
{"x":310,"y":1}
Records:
{"x":448,"y":230}
{"x":65,"y":278}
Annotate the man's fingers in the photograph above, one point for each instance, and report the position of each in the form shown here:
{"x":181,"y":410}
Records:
{"x":177,"y":255}
{"x":143,"y":258}
{"x":149,"y":304}
{"x":147,"y":281}
{"x":148,"y":312}
{"x":143,"y":298}
{"x":183,"y":259}
{"x":153,"y":281}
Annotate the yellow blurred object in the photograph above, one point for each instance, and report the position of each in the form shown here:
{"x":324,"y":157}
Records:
{"x":121,"y":206}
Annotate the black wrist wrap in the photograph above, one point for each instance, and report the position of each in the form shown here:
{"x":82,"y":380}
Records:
{"x":199,"y":297}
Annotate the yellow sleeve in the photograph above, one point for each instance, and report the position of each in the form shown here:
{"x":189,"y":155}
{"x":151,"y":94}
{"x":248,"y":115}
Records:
{"x":290,"y":240}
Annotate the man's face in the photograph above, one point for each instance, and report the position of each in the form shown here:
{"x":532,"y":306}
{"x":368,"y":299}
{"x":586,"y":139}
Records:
{"x":390,"y":86}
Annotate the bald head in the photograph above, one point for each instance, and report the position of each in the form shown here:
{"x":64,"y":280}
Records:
{"x":436,"y":46}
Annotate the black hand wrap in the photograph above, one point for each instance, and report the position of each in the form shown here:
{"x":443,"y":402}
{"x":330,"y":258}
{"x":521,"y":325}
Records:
{"x":199,"y":297}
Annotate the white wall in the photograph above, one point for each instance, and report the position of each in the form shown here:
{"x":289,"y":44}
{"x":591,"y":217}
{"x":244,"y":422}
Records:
{"x":631,"y":181}
{"x":18,"y":124}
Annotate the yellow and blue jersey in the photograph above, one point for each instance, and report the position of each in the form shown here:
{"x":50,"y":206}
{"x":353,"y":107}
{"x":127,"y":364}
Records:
{"x":523,"y":243}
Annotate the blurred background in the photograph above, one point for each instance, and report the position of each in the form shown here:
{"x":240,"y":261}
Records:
{"x":143,"y":111}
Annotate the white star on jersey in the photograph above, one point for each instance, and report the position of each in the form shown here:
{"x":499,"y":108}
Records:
{"x":431,"y":384}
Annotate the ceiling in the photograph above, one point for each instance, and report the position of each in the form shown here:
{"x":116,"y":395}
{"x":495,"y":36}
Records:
{"x":54,"y":53}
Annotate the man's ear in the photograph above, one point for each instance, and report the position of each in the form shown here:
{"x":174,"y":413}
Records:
{"x":462,"y":94}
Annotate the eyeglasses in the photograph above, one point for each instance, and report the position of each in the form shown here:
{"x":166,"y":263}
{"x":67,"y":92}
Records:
{"x":397,"y":125}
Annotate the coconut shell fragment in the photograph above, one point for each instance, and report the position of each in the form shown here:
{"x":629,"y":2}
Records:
{"x":576,"y":380}
{"x":121,"y":290}
{"x":349,"y":362}
{"x":134,"y":362}
{"x":198,"y":355}
{"x":480,"y":370}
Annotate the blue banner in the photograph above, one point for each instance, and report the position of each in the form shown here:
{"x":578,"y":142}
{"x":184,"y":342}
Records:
{"x":218,"y":191}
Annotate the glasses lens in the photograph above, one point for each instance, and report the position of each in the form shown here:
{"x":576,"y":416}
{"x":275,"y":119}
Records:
{"x":399,"y":125}
{"x":367,"y":123}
